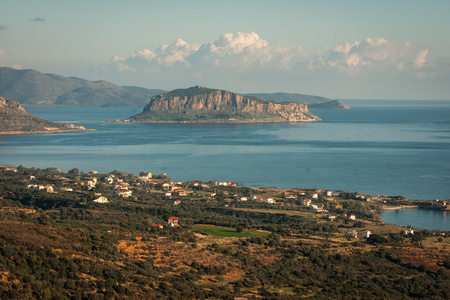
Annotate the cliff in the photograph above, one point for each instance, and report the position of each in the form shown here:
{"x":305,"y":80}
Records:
{"x":15,"y":120}
{"x":200,"y":104}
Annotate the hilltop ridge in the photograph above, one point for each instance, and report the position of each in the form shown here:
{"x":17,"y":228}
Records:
{"x":201,"y":104}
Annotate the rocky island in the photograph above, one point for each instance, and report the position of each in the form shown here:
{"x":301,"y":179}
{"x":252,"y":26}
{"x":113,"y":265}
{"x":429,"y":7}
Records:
{"x":204,"y":105}
{"x":15,"y":120}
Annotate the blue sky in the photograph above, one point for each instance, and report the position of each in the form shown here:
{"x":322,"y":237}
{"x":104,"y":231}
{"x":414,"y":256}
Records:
{"x":337,"y":49}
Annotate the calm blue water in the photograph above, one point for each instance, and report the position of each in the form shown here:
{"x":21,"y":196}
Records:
{"x":377,"y":147}
{"x":418,"y":218}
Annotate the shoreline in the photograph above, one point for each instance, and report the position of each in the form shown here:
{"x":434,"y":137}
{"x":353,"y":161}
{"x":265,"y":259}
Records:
{"x":43,"y":132}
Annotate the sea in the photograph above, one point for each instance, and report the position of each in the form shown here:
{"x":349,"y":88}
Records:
{"x":381,"y":147}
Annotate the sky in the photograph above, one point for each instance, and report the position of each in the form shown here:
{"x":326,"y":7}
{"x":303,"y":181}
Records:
{"x":336,"y":49}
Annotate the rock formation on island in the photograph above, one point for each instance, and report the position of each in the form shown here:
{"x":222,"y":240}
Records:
{"x":15,"y":120}
{"x":204,"y":105}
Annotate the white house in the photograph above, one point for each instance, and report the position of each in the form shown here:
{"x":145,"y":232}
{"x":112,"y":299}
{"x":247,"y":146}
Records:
{"x":101,"y":199}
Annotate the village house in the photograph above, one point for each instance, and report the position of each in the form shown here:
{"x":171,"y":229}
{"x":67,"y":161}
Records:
{"x":160,"y":226}
{"x":408,"y":231}
{"x":306,"y":202}
{"x":212,"y":194}
{"x":93,"y":172}
{"x":10,"y":169}
{"x":270,"y":200}
{"x":181,"y":193}
{"x":124,"y":193}
{"x":316,"y":207}
{"x":280,"y":203}
{"x":177,"y":202}
{"x":108,"y":180}
{"x":365,"y":234}
{"x":290,"y":197}
{"x":360,"y":196}
{"x":314,"y":196}
{"x":168,"y":194}
{"x":165,"y":186}
{"x":174,"y":188}
{"x":328,"y":193}
{"x":145,"y":174}
{"x":66,"y":189}
{"x":352,"y":217}
{"x":101,"y":199}
{"x":331,"y":218}
{"x":301,"y":193}
{"x":256,"y":198}
{"x":172,"y":222}
{"x":352,"y":233}
{"x":47,"y":188}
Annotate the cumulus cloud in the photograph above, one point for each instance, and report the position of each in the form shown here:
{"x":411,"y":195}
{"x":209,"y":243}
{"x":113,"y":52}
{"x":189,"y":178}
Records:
{"x":377,"y":54}
{"x":248,"y":61}
{"x":247,"y":51}
{"x":2,"y":52}
{"x":37,"y":19}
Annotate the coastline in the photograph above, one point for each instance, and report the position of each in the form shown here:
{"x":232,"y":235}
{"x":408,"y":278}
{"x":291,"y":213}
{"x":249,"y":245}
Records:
{"x":44,"y":131}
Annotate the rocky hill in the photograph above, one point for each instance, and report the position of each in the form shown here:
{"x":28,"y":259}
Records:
{"x":34,"y":88}
{"x":315,"y":102}
{"x":15,"y":120}
{"x":201,"y":104}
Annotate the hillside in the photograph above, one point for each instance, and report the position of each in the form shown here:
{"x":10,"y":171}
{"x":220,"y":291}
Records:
{"x":15,"y":120}
{"x":315,"y":102}
{"x":60,"y":242}
{"x":201,"y":104}
{"x":34,"y":88}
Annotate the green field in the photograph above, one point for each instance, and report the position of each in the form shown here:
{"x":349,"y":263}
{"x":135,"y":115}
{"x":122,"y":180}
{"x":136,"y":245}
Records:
{"x":224,"y":231}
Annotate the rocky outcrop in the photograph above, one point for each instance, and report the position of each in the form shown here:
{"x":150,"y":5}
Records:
{"x":200,"y":100}
{"x":15,"y":120}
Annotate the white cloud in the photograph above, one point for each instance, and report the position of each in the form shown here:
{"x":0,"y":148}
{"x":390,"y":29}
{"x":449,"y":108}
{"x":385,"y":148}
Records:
{"x":378,"y":54}
{"x":17,"y":67}
{"x":247,"y":62}
{"x":245,"y":52}
{"x":2,"y":52}
{"x":421,"y":59}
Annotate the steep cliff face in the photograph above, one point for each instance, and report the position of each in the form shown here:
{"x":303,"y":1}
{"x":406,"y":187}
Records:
{"x":9,"y":104}
{"x":200,"y":98}
{"x":201,"y":104}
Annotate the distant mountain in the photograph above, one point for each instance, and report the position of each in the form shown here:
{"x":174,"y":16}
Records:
{"x":204,"y":105}
{"x":15,"y":120}
{"x":315,"y":102}
{"x":34,"y":88}
{"x":333,"y":104}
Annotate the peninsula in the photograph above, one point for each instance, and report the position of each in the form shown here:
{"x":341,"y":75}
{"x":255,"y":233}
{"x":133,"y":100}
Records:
{"x":204,"y":105}
{"x":15,"y":120}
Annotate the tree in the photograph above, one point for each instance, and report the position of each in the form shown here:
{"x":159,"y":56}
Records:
{"x":75,"y":171}
{"x":239,"y":228}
